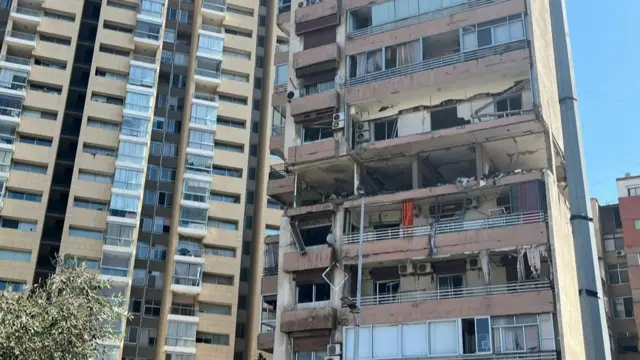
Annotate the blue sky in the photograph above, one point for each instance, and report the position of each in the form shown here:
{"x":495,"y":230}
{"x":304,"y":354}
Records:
{"x":607,"y":65}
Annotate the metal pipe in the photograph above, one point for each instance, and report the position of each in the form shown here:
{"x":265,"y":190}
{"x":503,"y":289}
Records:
{"x":594,"y":323}
{"x":356,"y":335}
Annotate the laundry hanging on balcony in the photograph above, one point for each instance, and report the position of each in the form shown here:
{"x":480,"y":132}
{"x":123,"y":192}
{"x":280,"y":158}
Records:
{"x":407,"y":213}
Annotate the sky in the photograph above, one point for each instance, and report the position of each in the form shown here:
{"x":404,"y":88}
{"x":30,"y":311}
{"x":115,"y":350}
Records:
{"x":607,"y":69}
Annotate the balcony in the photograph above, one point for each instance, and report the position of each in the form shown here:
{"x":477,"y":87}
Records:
{"x":276,"y":141}
{"x":115,"y":267}
{"x":7,"y":139}
{"x":316,"y":15}
{"x":187,"y":278}
{"x":25,"y":14}
{"x":189,"y":253}
{"x":151,"y":10}
{"x":207,"y":74}
{"x":321,"y":319}
{"x":281,"y":184}
{"x":315,"y":60}
{"x":320,"y":257}
{"x":214,"y":10}
{"x":181,"y":334}
{"x":16,"y":61}
{"x":315,"y":105}
{"x":144,"y":60}
{"x":21,"y":39}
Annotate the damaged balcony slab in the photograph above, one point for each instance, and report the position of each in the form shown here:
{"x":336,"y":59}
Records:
{"x":281,"y":184}
{"x":265,"y":341}
{"x":317,"y":59}
{"x":270,"y":284}
{"x":491,"y":305}
{"x":276,"y":145}
{"x":307,"y":320}
{"x":310,"y":209}
{"x":313,"y":152}
{"x":315,"y":106}
{"x":314,"y":258}
{"x":316,"y":15}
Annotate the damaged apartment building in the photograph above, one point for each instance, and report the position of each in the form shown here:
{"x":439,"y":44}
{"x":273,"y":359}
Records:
{"x":430,"y":129}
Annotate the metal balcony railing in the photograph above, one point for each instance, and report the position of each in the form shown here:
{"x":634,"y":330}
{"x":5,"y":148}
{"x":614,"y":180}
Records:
{"x":10,"y":112}
{"x":7,"y":139}
{"x":449,"y":227}
{"x":267,"y":326}
{"x":28,"y":12}
{"x":137,"y":107}
{"x":271,"y":270}
{"x":186,"y":280}
{"x":414,"y":296}
{"x":114,"y":271}
{"x":16,"y":60}
{"x":146,"y":35}
{"x":277,"y":130}
{"x":189,"y":251}
{"x":281,"y":48}
{"x":208,"y":73}
{"x":279,"y":87}
{"x":143,"y":58}
{"x":279,"y":171}
{"x":116,"y":241}
{"x":205,"y":97}
{"x":215,"y":5}
{"x":417,"y":19}
{"x":141,"y":82}
{"x":284,"y":7}
{"x":22,"y":36}
{"x":212,"y":29}
{"x":437,"y":62}
{"x":547,"y":355}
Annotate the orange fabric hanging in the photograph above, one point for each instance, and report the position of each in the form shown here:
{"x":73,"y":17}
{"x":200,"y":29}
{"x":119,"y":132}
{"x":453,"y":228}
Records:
{"x":407,"y":213}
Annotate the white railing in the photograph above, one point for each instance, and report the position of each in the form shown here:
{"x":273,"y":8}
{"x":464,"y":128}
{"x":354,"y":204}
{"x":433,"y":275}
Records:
{"x":279,"y":87}
{"x":212,"y":29}
{"x":267,"y":326}
{"x":114,"y":271}
{"x":15,"y":60}
{"x":10,"y":112}
{"x":143,"y":58}
{"x":437,"y":62}
{"x":547,"y":355}
{"x":116,"y":241}
{"x":7,"y":140}
{"x":28,"y":12}
{"x":21,"y":35}
{"x":215,"y":5}
{"x":417,"y":19}
{"x":415,"y":296}
{"x":208,"y":73}
{"x":449,"y":227}
{"x":281,"y":48}
{"x":205,"y":97}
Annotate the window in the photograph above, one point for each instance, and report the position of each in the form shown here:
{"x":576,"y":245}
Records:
{"x":36,"y":169}
{"x":98,"y":150}
{"x":272,"y":230}
{"x":222,"y":224}
{"x":272,"y":204}
{"x":165,"y":199}
{"x":250,"y":197}
{"x":153,"y":172}
{"x":14,"y":255}
{"x":75,"y":262}
{"x":147,"y":31}
{"x":202,"y":140}
{"x":11,"y":286}
{"x":226,"y":75}
{"x":113,"y":51}
{"x":158,"y":252}
{"x":21,"y":225}
{"x":107,"y":99}
{"x":310,"y":355}
{"x":255,"y":127}
{"x":169,"y":35}
{"x":217,"y":279}
{"x":167,"y":175}
{"x":240,"y":330}
{"x":19,"y":195}
{"x":59,"y":65}
{"x":309,"y":293}
{"x":223,"y":171}
{"x":491,"y":33}
{"x":385,"y":129}
{"x":523,"y":333}
{"x":230,"y":123}
{"x":39,"y":114}
{"x":89,"y":204}
{"x":227,"y":52}
{"x":123,"y":206}
{"x":636,"y":223}
{"x":131,"y":335}
{"x":282,"y":74}
{"x":187,"y":274}
{"x":127,"y":179}
{"x":203,"y":114}
{"x":181,"y":334}
{"x":111,"y":75}
{"x":228,"y":147}
{"x":85,"y":233}
{"x":160,"y":226}
{"x":237,"y":32}
{"x":239,"y":11}
{"x":139,"y":277}
{"x":142,"y":250}
{"x":219,"y":251}
{"x":256,"y":104}
{"x":134,"y":126}
{"x":215,"y":339}
{"x":218,"y":309}
{"x":147,"y":224}
{"x":152,"y":308}
{"x":147,"y":337}
{"x":55,"y":40}
{"x":93,"y":177}
{"x":34,"y":141}
{"x":138,"y":102}
{"x":233,"y":99}
{"x":613,"y":242}
{"x":211,"y":45}
{"x":220,"y":197}
{"x":118,"y":28}
{"x":118,"y":234}
{"x":618,"y":274}
{"x":248,"y":222}
{"x":103,"y":125}
{"x":135,"y":305}
{"x":317,"y":131}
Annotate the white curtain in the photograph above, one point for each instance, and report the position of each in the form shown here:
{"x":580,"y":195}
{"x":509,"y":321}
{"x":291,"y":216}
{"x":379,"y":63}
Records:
{"x":385,"y":342}
{"x":516,"y":30}
{"x":414,"y":340}
{"x":374,"y":61}
{"x":501,"y":34}
{"x":443,"y":338}
{"x":361,"y":64}
{"x":408,"y":53}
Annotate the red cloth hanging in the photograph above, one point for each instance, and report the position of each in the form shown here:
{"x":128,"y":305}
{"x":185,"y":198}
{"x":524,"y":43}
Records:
{"x":407,"y":213}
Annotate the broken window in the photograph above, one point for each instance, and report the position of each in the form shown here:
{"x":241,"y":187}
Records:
{"x":315,"y":236}
{"x":385,"y":129}
{"x":365,"y":63}
{"x":445,"y":118}
{"x":449,"y":210}
{"x":509,"y":105}
{"x":476,"y":336}
{"x":309,"y":293}
{"x":387,"y":291}
{"x":317,"y":131}
{"x":449,"y":284}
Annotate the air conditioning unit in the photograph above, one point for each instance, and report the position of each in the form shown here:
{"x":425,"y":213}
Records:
{"x":363,"y":137}
{"x":338,"y":116}
{"x":332,"y":358}
{"x":405,"y":269}
{"x":293,"y":94}
{"x":473,"y":264}
{"x":363,"y":126}
{"x":338,"y":121}
{"x":301,"y":4}
{"x":424,"y":268}
{"x":334,"y":350}
{"x":471,"y":203}
{"x":620,"y":253}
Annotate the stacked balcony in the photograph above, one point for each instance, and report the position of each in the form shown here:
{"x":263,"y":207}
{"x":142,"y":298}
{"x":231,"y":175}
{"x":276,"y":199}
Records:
{"x":181,"y":332}
{"x":25,"y":16}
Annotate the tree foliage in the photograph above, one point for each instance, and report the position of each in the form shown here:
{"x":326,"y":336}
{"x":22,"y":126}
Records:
{"x":60,"y":319}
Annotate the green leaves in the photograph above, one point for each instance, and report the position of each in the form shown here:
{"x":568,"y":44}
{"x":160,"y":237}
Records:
{"x":61,"y":319}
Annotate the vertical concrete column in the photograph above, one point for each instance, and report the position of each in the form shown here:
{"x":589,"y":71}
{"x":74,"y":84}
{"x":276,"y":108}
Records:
{"x":482,"y":162}
{"x":286,"y":291}
{"x":417,"y":169}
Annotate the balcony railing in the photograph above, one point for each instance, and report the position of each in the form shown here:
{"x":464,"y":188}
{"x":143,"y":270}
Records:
{"x":271,"y":270}
{"x":279,"y":87}
{"x":449,"y":226}
{"x":189,"y":251}
{"x":417,"y":19}
{"x":116,"y":241}
{"x":212,"y":29}
{"x":277,"y":130}
{"x":267,"y":326}
{"x":205,"y":97}
{"x":284,"y":6}
{"x":16,"y":60}
{"x":22,"y":36}
{"x":183,"y":310}
{"x":6,"y":139}
{"x":279,"y":171}
{"x":208,"y":73}
{"x":114,"y":271}
{"x":186,"y":281}
{"x":548,"y":355}
{"x":138,"y":108}
{"x":143,"y":58}
{"x":28,"y":12}
{"x":10,"y":112}
{"x":437,"y":62}
{"x":414,"y":296}
{"x":203,"y":121}
{"x":215,"y":5}
{"x":282,"y":48}
{"x":141,"y":82}
{"x":146,"y":35}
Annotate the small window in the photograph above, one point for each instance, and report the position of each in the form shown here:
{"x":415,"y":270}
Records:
{"x":636,"y":223}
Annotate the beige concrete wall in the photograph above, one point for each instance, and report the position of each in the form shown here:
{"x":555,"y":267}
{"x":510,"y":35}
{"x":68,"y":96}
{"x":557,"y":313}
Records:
{"x":565,"y":273}
{"x":544,"y":63}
